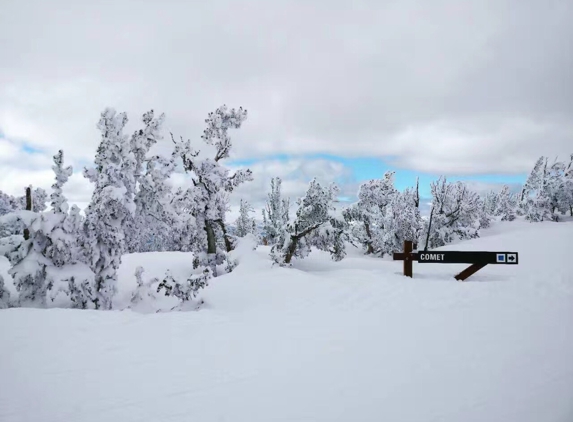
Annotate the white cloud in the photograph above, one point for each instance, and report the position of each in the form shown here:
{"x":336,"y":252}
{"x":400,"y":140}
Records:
{"x":478,"y":86}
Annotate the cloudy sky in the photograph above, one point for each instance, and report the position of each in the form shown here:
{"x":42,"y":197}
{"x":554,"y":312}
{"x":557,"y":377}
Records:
{"x":475,"y":90}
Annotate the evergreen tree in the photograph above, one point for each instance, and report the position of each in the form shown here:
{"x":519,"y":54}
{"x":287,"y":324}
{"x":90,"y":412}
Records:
{"x":368,"y":216}
{"x":276,"y":213}
{"x":153,"y":218}
{"x":566,"y":194}
{"x":455,"y":214}
{"x":401,"y":221}
{"x":316,"y":224}
{"x":111,"y":207}
{"x":207,"y":199}
{"x":48,"y":262}
{"x":505,"y":205}
{"x":244,"y":223}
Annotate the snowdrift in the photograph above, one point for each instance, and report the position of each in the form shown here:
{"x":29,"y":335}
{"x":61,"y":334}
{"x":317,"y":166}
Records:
{"x":324,"y":341}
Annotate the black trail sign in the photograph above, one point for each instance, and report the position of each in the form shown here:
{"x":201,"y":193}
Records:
{"x":471,"y":257}
{"x":478,"y":259}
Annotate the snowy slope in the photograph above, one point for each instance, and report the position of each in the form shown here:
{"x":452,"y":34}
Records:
{"x":325,"y":341}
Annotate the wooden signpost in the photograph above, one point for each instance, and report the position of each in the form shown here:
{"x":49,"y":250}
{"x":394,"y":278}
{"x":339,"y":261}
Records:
{"x":478,"y":260}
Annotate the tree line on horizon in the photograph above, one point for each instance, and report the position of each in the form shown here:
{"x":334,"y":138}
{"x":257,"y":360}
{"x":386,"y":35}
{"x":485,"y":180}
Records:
{"x":60,"y":257}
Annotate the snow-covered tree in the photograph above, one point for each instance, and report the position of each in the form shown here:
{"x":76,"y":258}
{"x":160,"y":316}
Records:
{"x":11,"y":227}
{"x":111,"y":207}
{"x":207,"y":199}
{"x":316,"y":224}
{"x":535,"y":200}
{"x":455,"y":214}
{"x":505,"y":205}
{"x":401,"y":221}
{"x":245,"y":224}
{"x":8,"y":203}
{"x":58,"y":201}
{"x":566,"y":194}
{"x":153,"y":218}
{"x":48,"y":264}
{"x":367,"y":216}
{"x":28,"y":264}
{"x":489,"y":202}
{"x":275,"y":213}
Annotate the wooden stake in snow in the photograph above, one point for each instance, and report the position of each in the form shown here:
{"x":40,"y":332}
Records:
{"x":29,"y":208}
{"x":478,"y":259}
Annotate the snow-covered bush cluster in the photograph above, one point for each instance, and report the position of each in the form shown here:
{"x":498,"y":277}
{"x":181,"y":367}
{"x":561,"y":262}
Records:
{"x":63,"y":258}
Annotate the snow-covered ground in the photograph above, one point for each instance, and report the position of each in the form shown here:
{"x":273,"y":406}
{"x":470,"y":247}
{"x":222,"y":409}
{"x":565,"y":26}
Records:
{"x":325,"y":341}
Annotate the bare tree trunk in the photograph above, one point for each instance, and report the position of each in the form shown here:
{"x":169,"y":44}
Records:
{"x":29,"y":208}
{"x":211,"y":247}
{"x":291,"y":249}
{"x":294,"y":242}
{"x":228,"y":244}
{"x":429,"y":229}
{"x":369,"y":248}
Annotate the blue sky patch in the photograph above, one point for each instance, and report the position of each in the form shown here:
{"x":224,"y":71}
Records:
{"x":367,"y":168}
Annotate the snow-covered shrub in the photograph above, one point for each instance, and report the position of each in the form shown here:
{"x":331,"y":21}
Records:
{"x":315,"y":211}
{"x":144,"y":290}
{"x":184,"y":290}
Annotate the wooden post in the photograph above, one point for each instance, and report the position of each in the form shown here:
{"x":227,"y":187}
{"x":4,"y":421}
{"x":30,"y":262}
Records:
{"x":407,"y":258}
{"x":29,"y":208}
{"x":472,"y":269}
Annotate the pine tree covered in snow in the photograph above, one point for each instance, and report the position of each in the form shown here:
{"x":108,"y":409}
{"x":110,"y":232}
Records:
{"x":534,"y":200}
{"x":505,"y":205}
{"x":58,"y":201}
{"x":245,"y":224}
{"x":489,"y":202}
{"x":368,"y":216}
{"x":207,"y":199}
{"x":316,"y":224}
{"x":111,"y":210}
{"x":401,"y":221}
{"x":28,"y":264}
{"x":566,"y":195}
{"x":275,"y":213}
{"x":8,"y":203}
{"x":154,"y":218}
{"x":47,"y":264}
{"x":10,"y":227}
{"x":455,"y":214}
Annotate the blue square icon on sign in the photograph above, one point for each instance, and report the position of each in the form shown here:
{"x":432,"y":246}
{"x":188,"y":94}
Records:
{"x":500,"y":257}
